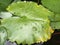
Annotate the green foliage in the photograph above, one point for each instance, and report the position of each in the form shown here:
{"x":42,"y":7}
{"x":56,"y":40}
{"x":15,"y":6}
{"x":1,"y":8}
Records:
{"x":53,"y":5}
{"x":55,"y":25}
{"x":28,"y":22}
{"x":4,"y":4}
{"x":27,"y":31}
{"x":57,"y":17}
{"x":3,"y":35}
{"x":30,"y":10}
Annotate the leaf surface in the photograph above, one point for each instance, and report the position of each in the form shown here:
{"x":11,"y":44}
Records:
{"x":55,"y":25}
{"x":30,"y":10}
{"x":53,"y":5}
{"x":4,"y":4}
{"x":27,"y":31}
{"x":3,"y":35}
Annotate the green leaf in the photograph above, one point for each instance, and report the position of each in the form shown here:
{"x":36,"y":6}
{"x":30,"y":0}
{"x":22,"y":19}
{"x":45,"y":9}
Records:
{"x":55,"y":25}
{"x":57,"y":17}
{"x":3,"y":35}
{"x":4,"y":4}
{"x":30,"y":10}
{"x":27,"y":31}
{"x":53,"y":5}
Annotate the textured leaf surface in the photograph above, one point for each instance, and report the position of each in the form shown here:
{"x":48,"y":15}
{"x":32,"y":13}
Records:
{"x":53,"y":5}
{"x":24,"y":30}
{"x":30,"y":10}
{"x":4,"y":4}
{"x":3,"y":35}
